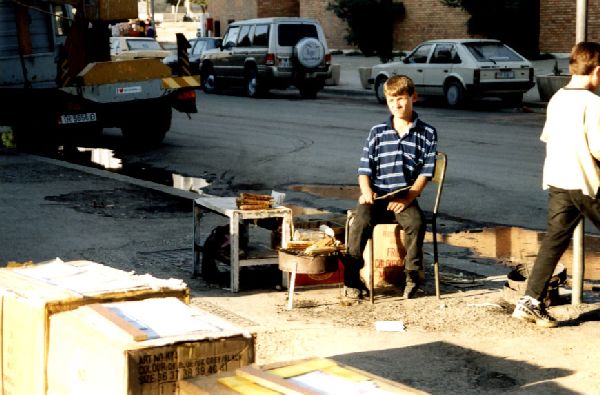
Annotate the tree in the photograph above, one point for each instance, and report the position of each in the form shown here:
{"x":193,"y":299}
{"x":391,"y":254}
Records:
{"x":515,"y":22}
{"x":370,"y":24}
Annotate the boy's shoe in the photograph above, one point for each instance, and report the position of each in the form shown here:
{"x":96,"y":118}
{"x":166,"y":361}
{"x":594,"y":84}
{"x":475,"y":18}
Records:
{"x":531,"y":310}
{"x":410,"y":290}
{"x":352,"y":293}
{"x":413,"y":283}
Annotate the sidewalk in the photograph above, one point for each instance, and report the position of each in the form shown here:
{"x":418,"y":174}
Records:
{"x":349,"y":83}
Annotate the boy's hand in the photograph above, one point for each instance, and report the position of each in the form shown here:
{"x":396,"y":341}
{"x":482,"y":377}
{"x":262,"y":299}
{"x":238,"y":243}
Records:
{"x":367,"y":198}
{"x":398,"y":205}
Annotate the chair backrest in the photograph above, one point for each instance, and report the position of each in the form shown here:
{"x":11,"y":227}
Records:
{"x":441,"y":160}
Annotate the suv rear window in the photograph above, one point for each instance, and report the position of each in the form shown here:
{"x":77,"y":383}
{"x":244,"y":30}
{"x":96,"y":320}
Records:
{"x":289,"y":34}
{"x":495,"y":52}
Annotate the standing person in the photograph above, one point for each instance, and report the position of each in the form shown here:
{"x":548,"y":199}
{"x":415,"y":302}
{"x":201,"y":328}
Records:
{"x":398,"y":157}
{"x":150,"y":30}
{"x":571,"y":173}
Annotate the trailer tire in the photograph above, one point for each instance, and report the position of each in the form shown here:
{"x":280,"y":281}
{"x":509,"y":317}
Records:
{"x":151,"y":128}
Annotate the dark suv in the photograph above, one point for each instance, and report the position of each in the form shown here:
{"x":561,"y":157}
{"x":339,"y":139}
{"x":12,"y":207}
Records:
{"x":269,"y":53}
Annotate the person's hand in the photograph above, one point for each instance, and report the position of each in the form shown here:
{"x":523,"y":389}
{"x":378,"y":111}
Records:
{"x":367,"y":198}
{"x":397,"y":205}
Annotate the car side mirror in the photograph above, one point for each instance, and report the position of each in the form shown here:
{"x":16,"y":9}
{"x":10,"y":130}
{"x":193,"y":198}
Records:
{"x":405,"y":61}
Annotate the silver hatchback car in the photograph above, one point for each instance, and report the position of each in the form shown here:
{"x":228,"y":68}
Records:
{"x":460,"y":69}
{"x":269,"y":53}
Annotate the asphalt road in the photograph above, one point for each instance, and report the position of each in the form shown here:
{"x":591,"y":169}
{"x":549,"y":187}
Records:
{"x":234,"y":143}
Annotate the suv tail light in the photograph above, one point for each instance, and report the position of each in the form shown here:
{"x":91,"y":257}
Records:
{"x":270,"y":59}
{"x":476,"y":76}
{"x":327,"y":58}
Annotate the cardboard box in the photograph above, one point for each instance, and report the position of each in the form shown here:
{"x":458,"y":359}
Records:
{"x":140,"y":347}
{"x":111,"y":10}
{"x":389,"y":253}
{"x":310,"y":376}
{"x":30,"y":295}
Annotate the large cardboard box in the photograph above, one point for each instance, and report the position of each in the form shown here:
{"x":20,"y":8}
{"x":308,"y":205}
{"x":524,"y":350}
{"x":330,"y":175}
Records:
{"x":140,"y":347}
{"x":31,"y":295}
{"x":388,"y":255}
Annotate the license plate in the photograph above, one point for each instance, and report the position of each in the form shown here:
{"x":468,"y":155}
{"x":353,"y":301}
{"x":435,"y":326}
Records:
{"x":505,"y":74}
{"x":78,"y":118}
{"x":284,"y":62}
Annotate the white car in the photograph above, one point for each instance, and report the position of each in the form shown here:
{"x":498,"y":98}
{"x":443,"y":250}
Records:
{"x":125,"y":48}
{"x":459,"y":69}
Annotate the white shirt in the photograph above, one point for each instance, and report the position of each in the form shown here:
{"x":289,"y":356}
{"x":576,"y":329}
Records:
{"x":572,"y":137}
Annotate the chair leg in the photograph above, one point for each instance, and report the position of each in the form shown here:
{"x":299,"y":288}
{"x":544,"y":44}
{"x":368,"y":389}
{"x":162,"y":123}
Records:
{"x":436,"y":265}
{"x":372,"y":272}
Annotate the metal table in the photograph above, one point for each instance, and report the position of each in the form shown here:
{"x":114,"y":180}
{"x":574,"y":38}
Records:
{"x":227,"y":207}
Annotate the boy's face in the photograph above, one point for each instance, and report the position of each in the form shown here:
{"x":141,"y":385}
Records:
{"x":401,"y":106}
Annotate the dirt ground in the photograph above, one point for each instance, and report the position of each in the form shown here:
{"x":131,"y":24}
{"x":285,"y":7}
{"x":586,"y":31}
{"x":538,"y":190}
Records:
{"x":465,"y":343}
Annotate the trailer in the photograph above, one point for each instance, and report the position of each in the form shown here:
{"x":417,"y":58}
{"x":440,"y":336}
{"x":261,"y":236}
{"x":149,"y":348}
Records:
{"x":57,"y":77}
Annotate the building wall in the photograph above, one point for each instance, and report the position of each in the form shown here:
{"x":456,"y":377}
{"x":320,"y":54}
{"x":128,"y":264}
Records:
{"x":424,"y":19}
{"x":333,"y":27}
{"x":427,"y":20}
{"x":235,"y":10}
{"x":267,"y":8}
{"x":557,"y":24}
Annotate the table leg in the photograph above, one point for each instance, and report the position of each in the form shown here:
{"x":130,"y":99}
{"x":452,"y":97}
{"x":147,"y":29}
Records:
{"x":197,"y":214}
{"x":291,"y":290}
{"x":234,"y":240}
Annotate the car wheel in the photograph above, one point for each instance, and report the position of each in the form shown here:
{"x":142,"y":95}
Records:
{"x":309,"y":52}
{"x":253,"y":87}
{"x":209,"y":80}
{"x":379,"y":89}
{"x":309,"y":89}
{"x":455,"y":94}
{"x":150,"y":127}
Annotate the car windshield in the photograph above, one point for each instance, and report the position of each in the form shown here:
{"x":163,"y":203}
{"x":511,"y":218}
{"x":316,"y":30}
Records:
{"x":199,"y":47}
{"x":289,"y":34}
{"x":492,"y":52}
{"x":142,"y":44}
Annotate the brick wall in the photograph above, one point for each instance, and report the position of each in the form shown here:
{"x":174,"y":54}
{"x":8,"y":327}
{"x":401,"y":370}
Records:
{"x":333,"y":27}
{"x":557,"y":24}
{"x":267,"y":8}
{"x":225,"y":10}
{"x":424,"y":19}
{"x":427,"y":20}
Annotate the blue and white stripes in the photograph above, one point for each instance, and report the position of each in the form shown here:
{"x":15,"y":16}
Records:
{"x":392,"y":161}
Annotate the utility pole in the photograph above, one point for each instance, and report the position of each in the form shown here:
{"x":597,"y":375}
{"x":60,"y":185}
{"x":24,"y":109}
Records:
{"x":579,"y":233}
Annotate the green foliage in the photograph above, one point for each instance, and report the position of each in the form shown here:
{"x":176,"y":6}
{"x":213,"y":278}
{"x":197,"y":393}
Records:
{"x":515,"y":22}
{"x":370,"y":24}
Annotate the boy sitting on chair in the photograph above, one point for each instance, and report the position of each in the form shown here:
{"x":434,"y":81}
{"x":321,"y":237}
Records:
{"x":398,"y":159}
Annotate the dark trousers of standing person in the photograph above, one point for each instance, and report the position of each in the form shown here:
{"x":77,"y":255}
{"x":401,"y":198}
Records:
{"x":565,"y":209}
{"x":367,"y":216}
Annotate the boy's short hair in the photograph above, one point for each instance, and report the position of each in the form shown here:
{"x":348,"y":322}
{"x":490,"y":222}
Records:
{"x":585,"y":57}
{"x":398,"y":85}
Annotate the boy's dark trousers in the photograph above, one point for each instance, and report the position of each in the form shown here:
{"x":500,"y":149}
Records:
{"x":367,"y":216}
{"x":565,"y":209}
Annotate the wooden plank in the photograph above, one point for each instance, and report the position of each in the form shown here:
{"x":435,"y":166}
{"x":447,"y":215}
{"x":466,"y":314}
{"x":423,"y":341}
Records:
{"x":135,"y":333}
{"x":272,"y":381}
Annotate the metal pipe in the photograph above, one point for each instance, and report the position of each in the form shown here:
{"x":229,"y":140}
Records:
{"x":581,"y":21}
{"x":578,"y":264}
{"x":578,"y":239}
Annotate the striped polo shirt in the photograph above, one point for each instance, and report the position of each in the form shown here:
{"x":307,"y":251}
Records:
{"x":392,"y":161}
